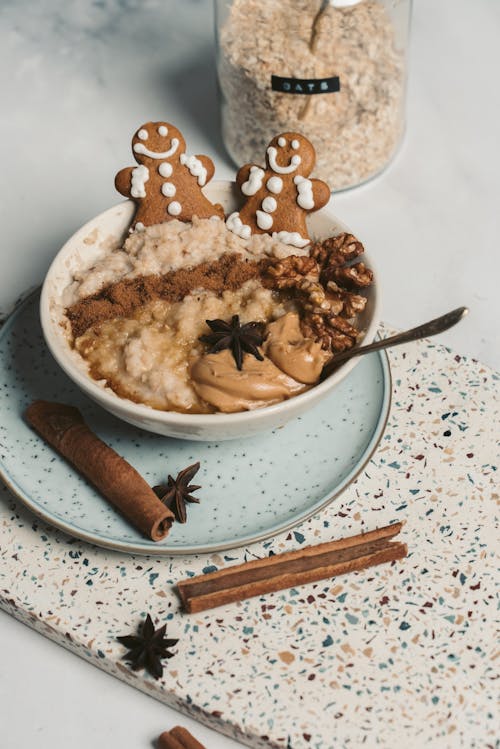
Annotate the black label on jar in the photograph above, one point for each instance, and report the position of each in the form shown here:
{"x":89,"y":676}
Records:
{"x":306,"y":86}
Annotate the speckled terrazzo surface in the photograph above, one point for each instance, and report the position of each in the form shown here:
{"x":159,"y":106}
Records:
{"x":401,"y":655}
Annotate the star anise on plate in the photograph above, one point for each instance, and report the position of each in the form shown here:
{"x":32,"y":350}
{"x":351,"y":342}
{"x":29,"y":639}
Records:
{"x":176,"y":492}
{"x":238,"y":338}
{"x":148,"y":648}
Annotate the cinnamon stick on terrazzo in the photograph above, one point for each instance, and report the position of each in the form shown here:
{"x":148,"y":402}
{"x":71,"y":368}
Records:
{"x":65,"y":430}
{"x":178,"y":738}
{"x":291,"y":569}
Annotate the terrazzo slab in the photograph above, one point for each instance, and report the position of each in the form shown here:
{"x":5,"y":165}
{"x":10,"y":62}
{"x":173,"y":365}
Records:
{"x":397,"y":656}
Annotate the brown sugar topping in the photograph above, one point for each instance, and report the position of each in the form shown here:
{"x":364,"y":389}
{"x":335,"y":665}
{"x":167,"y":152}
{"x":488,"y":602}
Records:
{"x":120,"y":299}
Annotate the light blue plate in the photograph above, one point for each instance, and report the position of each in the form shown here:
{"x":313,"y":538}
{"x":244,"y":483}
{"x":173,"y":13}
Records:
{"x":251,"y":489}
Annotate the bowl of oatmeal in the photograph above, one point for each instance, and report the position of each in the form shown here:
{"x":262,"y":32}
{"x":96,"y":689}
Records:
{"x":191,"y":331}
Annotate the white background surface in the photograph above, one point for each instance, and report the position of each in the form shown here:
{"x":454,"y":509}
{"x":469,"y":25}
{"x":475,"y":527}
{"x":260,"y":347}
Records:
{"x":76,"y":78}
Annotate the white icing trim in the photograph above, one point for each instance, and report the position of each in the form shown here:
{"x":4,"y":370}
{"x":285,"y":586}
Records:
{"x":168,"y":189}
{"x":290,"y":237}
{"x":174,"y":208}
{"x":195,"y":167}
{"x":281,"y":141}
{"x":140,"y":175}
{"x":264,"y":220}
{"x":142,"y":134}
{"x":305,"y":197}
{"x":163,"y":130}
{"x":236,"y":225}
{"x":254,"y":181}
{"x":165,"y":169}
{"x":269,"y":204}
{"x":292,"y":166}
{"x":141,"y":148}
{"x":274,"y":185}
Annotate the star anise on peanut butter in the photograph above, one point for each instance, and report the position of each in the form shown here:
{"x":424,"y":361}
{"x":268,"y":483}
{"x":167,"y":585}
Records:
{"x":239,"y":339}
{"x":148,"y":648}
{"x":176,"y":492}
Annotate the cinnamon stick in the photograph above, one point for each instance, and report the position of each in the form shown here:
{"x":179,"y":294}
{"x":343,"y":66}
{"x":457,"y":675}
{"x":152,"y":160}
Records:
{"x":64,"y":429}
{"x":178,"y":738}
{"x":291,"y":569}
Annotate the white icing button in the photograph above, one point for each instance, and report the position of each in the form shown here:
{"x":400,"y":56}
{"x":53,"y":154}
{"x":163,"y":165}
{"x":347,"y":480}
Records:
{"x":281,"y":142}
{"x":165,"y":169}
{"x":264,"y":220}
{"x":162,"y":130}
{"x":269,"y":204}
{"x":174,"y":208}
{"x":168,"y":189}
{"x":139,"y":226}
{"x":142,"y":134}
{"x":275,"y":185}
{"x":295,"y":144}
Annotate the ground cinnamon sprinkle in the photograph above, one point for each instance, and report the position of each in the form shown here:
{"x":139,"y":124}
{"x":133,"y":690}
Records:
{"x":120,"y":299}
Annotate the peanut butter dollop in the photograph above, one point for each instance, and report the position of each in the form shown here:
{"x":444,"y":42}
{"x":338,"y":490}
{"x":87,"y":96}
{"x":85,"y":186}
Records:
{"x":299,"y":357}
{"x":260,"y":383}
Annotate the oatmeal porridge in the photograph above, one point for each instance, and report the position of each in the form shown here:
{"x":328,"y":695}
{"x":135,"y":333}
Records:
{"x":189,"y":317}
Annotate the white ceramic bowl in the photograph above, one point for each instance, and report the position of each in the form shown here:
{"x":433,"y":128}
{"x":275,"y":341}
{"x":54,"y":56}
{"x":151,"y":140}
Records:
{"x":109,"y":229}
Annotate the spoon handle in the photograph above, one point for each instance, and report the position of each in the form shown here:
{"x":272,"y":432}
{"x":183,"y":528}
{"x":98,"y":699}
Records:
{"x":427,"y":329}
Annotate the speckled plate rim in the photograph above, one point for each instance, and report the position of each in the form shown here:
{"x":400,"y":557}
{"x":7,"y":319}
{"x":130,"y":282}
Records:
{"x":157,"y":550}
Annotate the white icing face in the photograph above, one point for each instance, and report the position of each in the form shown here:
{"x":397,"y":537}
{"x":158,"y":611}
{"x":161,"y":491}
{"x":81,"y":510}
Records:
{"x":142,"y":134}
{"x":168,"y":189}
{"x":264,"y":220}
{"x":254,"y":181}
{"x":141,"y":149}
{"x":274,"y":185}
{"x":174,"y":208}
{"x":272,"y":152}
{"x":269,"y":204}
{"x":162,"y":130}
{"x":281,"y":142}
{"x":295,"y":144}
{"x":165,"y":169}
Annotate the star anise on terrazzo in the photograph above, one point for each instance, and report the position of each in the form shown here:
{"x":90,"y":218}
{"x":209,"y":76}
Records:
{"x":239,"y":339}
{"x":176,"y":492}
{"x":148,"y":648}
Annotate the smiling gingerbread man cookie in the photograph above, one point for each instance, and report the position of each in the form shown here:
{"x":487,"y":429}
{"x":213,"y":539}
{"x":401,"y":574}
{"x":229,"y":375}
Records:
{"x":167,"y":183}
{"x":280,"y":196}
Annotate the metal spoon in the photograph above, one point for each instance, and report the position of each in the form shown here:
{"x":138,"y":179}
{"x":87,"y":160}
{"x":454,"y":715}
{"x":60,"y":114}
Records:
{"x":425,"y":330}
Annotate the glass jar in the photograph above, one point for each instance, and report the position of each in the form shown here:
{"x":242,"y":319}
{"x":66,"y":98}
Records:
{"x":334,"y":70}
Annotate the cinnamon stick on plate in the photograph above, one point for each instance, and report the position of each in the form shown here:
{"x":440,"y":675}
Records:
{"x":290,"y":569}
{"x":178,"y":738}
{"x":64,"y":429}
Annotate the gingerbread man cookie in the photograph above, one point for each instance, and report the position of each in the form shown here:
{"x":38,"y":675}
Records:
{"x":279,"y":197}
{"x":167,"y":183}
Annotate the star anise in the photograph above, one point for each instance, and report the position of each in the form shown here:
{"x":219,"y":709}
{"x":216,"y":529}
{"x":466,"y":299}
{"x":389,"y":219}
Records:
{"x":176,"y":492}
{"x":236,"y":337}
{"x":147,"y":648}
